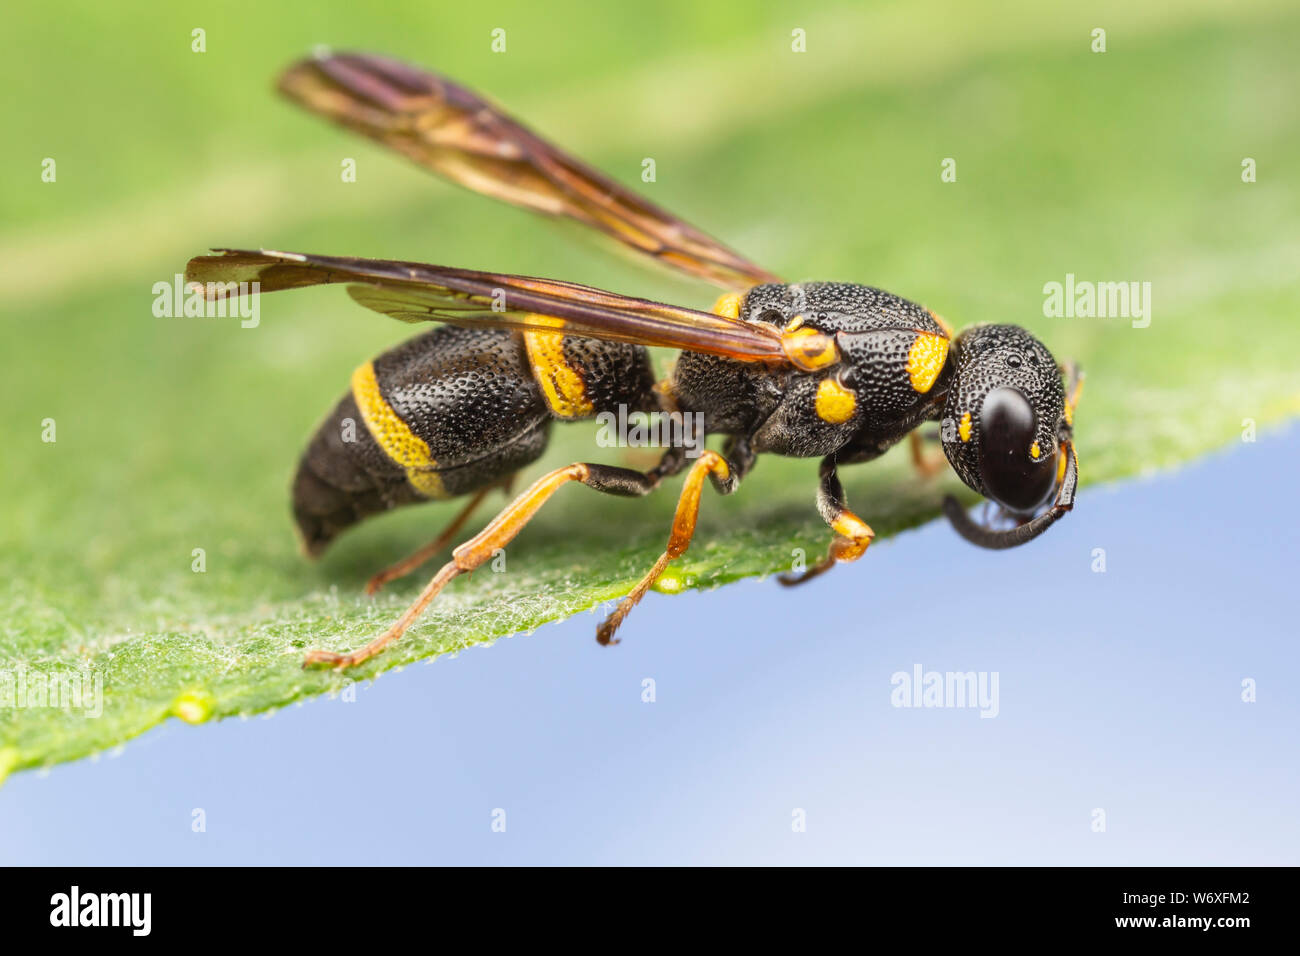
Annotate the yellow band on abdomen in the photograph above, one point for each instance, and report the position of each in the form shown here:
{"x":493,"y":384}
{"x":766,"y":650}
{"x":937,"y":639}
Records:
{"x":394,"y":436}
{"x":560,"y":382}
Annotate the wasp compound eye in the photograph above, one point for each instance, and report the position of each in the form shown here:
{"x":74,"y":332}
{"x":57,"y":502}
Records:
{"x":1011,"y":475}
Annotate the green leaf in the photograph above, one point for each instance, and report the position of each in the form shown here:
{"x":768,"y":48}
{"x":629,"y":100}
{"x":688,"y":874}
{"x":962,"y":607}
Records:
{"x":181,"y":434}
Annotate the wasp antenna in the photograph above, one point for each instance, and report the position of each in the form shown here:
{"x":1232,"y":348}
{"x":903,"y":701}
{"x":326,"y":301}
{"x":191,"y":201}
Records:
{"x":997,"y":540}
{"x":986,"y":537}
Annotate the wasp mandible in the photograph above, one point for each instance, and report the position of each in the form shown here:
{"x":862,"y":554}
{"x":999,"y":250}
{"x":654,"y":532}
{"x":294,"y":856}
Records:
{"x":812,"y":369}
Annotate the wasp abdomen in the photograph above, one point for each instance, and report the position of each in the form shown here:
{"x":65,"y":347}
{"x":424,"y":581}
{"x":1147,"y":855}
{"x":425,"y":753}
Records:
{"x":445,"y":413}
{"x":450,"y":412}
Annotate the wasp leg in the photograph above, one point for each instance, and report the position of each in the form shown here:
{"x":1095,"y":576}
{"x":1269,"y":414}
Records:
{"x":725,"y":479}
{"x":926,"y":465}
{"x":852,"y":534}
{"x":414,"y":560}
{"x":479,"y":549}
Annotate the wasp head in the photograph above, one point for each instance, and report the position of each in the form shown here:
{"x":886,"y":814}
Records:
{"x":1007,"y":427}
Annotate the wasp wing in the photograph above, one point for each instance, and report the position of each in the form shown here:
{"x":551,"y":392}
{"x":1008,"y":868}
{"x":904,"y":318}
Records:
{"x":459,"y":135}
{"x":415,"y":292}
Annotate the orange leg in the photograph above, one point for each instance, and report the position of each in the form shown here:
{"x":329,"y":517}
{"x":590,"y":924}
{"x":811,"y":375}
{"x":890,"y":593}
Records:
{"x":709,"y":465}
{"x":479,"y":549}
{"x":414,"y":560}
{"x":852,"y":534}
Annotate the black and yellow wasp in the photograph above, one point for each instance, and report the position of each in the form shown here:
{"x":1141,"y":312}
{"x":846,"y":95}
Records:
{"x":826,"y":369}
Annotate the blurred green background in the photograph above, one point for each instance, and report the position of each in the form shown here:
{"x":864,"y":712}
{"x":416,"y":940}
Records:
{"x":176,"y":434}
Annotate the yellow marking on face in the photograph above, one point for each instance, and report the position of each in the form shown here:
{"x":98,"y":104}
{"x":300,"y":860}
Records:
{"x":394,"y":436}
{"x":1034,"y":451}
{"x":925,"y":360}
{"x":964,"y":428}
{"x":942,"y":324}
{"x":794,"y":323}
{"x":728,"y":305}
{"x":1060,"y":468}
{"x":561,"y":385}
{"x":809,"y":349}
{"x":835,"y":403}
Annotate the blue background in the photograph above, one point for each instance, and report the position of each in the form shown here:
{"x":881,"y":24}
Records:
{"x":1118,"y":690}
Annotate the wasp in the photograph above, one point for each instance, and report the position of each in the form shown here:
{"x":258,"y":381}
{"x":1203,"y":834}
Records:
{"x":832,"y":370}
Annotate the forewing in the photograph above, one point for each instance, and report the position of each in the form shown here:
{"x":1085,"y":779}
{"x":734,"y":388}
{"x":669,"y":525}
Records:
{"x":415,"y":292}
{"x":461,"y":136}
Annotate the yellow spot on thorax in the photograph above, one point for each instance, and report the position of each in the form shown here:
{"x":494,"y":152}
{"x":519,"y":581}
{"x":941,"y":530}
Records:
{"x":809,"y":349}
{"x":728,"y":305}
{"x":394,"y":436}
{"x":925,"y":360}
{"x":964,"y":428}
{"x":562,"y":386}
{"x":835,"y":403}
